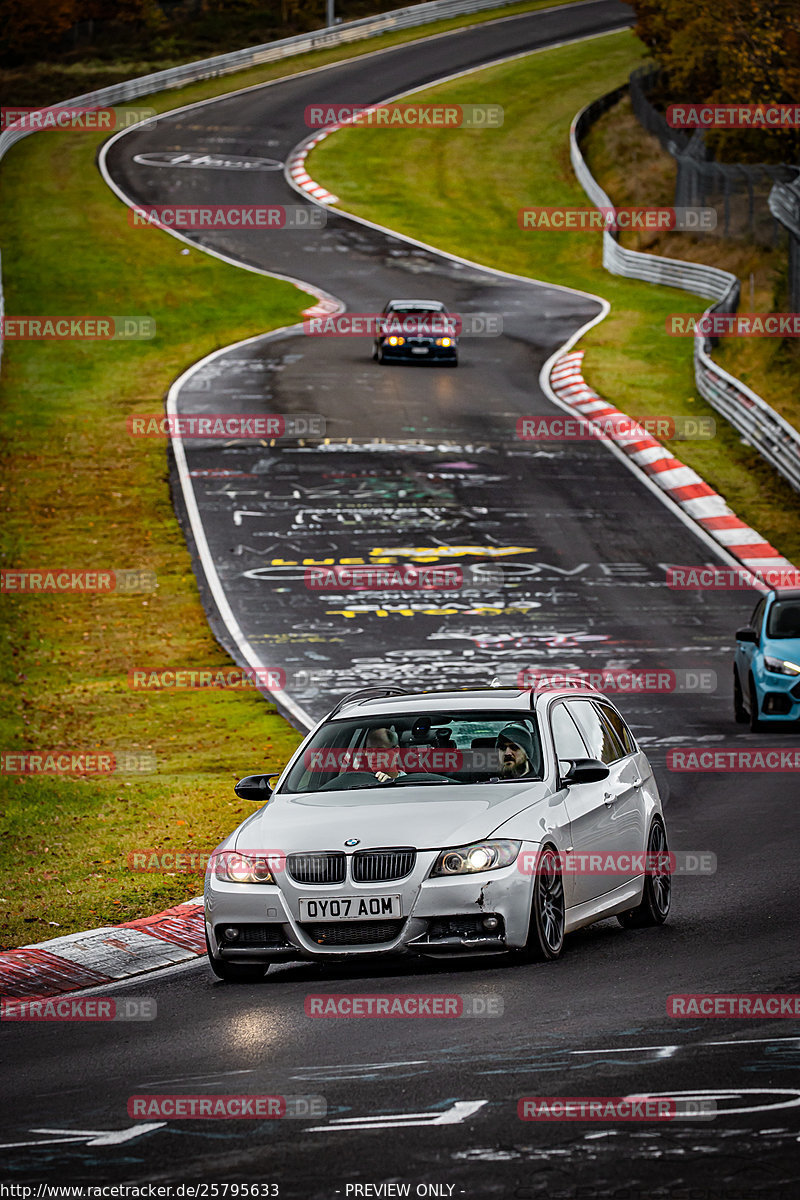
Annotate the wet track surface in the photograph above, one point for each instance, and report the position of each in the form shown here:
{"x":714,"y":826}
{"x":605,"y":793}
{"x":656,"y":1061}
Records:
{"x":581,"y":546}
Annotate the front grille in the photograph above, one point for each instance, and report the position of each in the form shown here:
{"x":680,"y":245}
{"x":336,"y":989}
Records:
{"x":317,"y":868}
{"x":353,"y":933}
{"x":251,"y":935}
{"x":381,"y":866}
{"x":795,"y":691}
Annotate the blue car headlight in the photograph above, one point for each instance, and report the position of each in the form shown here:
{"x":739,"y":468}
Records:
{"x":781,"y":666}
{"x":480,"y":856}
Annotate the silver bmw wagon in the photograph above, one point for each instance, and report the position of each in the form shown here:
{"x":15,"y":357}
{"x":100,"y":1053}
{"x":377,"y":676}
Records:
{"x":491,"y":821}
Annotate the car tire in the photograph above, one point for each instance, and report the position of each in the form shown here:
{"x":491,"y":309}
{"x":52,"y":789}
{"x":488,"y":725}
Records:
{"x":739,"y":710}
{"x":756,"y":726}
{"x":379,"y":356}
{"x":653,"y":908}
{"x":235,"y":972}
{"x":546,"y":930}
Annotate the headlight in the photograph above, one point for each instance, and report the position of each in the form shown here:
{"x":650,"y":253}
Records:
{"x":781,"y":666}
{"x":232,"y":867}
{"x":396,"y":341}
{"x":482,"y":856}
{"x":444,"y":341}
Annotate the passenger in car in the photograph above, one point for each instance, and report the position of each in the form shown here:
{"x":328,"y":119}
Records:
{"x":515,"y":751}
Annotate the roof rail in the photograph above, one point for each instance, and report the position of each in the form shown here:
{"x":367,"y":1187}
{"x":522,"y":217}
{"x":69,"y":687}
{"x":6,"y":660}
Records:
{"x":367,"y":693}
{"x":561,"y":681}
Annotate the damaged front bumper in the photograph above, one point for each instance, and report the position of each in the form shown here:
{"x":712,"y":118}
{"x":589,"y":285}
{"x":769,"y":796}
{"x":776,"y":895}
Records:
{"x":484,"y":913}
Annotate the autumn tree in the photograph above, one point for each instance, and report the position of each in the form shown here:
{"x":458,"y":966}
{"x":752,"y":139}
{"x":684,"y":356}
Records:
{"x":726,"y":52}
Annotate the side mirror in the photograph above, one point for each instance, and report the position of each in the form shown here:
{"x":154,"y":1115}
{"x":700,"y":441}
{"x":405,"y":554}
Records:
{"x":255,"y":788}
{"x":747,"y":635}
{"x":585,"y":770}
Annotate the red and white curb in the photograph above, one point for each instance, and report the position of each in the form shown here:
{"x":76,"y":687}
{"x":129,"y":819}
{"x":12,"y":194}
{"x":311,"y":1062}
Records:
{"x":324,"y":308}
{"x":679,"y":482}
{"x":296,"y":168}
{"x":84,"y":960}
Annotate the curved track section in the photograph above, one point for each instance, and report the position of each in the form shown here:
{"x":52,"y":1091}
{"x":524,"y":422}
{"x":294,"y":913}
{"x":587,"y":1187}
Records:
{"x":412,"y":470}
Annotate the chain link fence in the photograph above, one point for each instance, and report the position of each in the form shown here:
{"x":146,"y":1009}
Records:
{"x":738,"y":191}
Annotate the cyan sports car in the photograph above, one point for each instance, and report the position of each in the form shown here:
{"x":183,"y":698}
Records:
{"x":766,"y":668}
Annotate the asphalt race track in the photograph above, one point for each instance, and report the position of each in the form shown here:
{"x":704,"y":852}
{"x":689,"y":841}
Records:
{"x":564,"y":550}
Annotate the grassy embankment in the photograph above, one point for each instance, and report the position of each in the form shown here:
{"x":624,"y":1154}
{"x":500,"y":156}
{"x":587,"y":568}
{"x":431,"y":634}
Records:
{"x":433,"y":185}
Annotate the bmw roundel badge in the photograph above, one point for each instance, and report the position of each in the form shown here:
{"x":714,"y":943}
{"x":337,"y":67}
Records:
{"x":352,"y":841}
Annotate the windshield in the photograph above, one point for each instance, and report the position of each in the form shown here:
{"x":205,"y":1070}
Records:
{"x":784,"y":619}
{"x":420,"y":309}
{"x":419,"y":749}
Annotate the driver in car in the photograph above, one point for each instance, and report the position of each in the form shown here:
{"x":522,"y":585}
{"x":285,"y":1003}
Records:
{"x":515,"y":751}
{"x":384,"y":739}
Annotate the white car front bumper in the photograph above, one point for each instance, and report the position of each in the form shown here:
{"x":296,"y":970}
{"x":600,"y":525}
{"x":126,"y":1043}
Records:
{"x":487,"y":912}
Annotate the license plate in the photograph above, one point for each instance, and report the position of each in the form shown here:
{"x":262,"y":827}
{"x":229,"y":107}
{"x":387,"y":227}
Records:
{"x":419,"y":349}
{"x":350,"y":908}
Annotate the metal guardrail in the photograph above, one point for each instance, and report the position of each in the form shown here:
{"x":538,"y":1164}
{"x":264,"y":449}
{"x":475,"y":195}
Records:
{"x":784,"y":204}
{"x":760,"y":426}
{"x":238,"y":60}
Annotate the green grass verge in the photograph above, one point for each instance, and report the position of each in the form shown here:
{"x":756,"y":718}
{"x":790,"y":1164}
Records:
{"x":80,"y":493}
{"x":461,"y":190}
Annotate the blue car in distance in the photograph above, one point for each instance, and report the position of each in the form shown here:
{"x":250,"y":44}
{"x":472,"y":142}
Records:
{"x":766,"y":670}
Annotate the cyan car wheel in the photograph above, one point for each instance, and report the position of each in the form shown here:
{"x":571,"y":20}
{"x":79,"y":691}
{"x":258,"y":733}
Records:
{"x":235,"y":972}
{"x":756,"y":726}
{"x":546,"y":932}
{"x":739,"y":710}
{"x":657,"y":894}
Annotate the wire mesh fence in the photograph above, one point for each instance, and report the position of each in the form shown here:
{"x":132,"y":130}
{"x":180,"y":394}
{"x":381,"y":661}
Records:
{"x":738,"y":191}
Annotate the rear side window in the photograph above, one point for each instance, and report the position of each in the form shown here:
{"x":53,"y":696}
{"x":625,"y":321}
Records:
{"x":624,"y":735}
{"x":566,"y":738}
{"x":599,"y":736}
